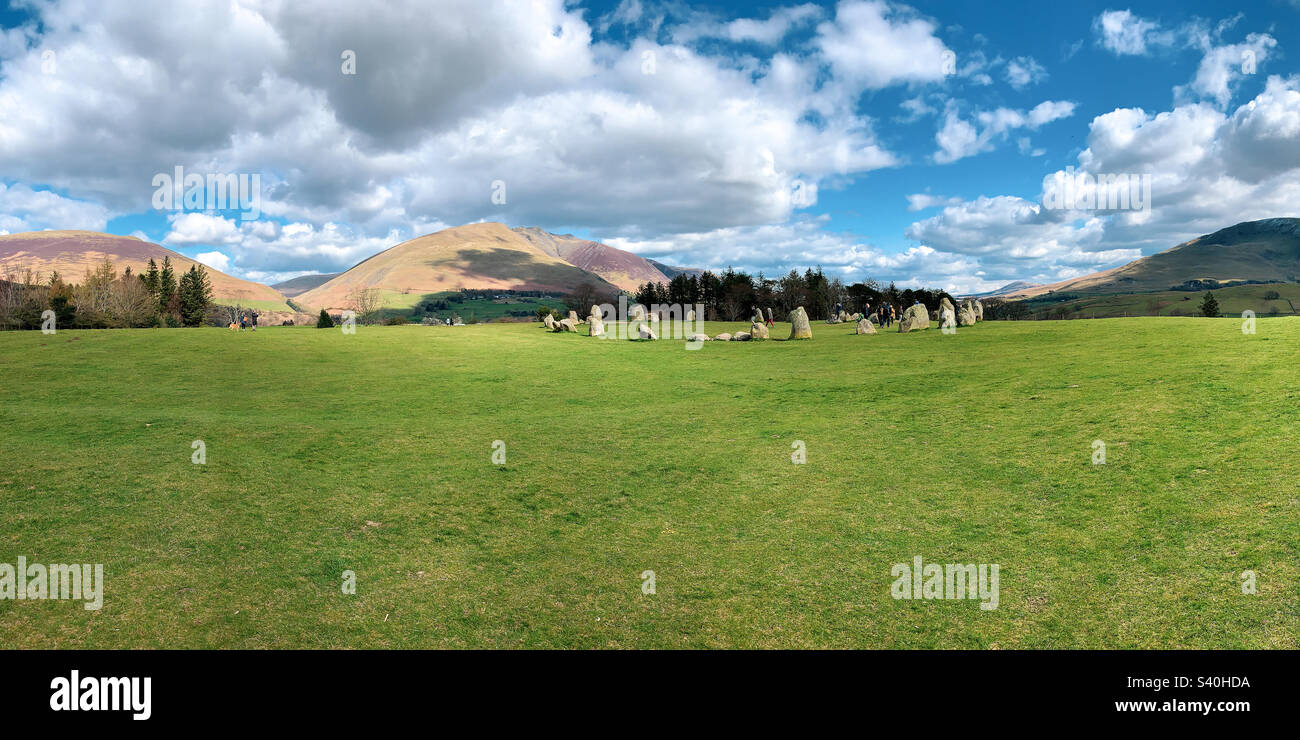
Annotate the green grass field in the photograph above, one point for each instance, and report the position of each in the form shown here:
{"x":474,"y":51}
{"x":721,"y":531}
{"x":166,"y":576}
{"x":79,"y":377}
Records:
{"x":372,"y":453}
{"x":1232,"y":302}
{"x":475,"y":309}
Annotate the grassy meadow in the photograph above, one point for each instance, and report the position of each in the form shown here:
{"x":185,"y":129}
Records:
{"x":372,"y":453}
{"x":1232,"y":300}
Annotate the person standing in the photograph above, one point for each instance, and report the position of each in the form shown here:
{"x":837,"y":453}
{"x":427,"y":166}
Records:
{"x":769,"y":316}
{"x":253,"y":319}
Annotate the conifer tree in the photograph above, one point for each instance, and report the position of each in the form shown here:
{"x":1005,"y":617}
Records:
{"x":1210,"y":306}
{"x":166,"y":285}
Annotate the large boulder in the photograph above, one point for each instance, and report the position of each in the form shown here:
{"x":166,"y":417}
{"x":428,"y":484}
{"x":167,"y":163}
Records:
{"x":874,"y":318}
{"x":566,"y":325}
{"x":646,"y":332}
{"x":757,"y":318}
{"x":979,"y":309}
{"x":549,"y":320}
{"x":914,"y":318}
{"x":966,"y":316}
{"x":758,"y":330}
{"x":596,"y":326}
{"x":799,"y":326}
{"x":723,"y":337}
{"x":944,"y":303}
{"x":636,"y":312}
{"x":740,"y":336}
{"x":699,"y":338}
{"x":865,"y":327}
{"x":573,"y":316}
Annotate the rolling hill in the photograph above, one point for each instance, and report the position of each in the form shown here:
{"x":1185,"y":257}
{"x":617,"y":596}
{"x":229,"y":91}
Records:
{"x":299,"y":285}
{"x":1266,"y":251}
{"x":624,"y":269}
{"x":75,"y":253}
{"x":481,"y":256}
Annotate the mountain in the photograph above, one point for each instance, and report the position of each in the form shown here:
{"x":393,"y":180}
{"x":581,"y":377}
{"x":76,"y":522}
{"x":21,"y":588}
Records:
{"x":1009,"y":288}
{"x":75,"y":253}
{"x":299,"y":285}
{"x":1266,"y":251}
{"x":482,"y":255}
{"x":673,"y":272}
{"x":624,"y":269}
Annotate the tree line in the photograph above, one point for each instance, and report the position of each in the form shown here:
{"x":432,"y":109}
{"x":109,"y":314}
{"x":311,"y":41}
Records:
{"x":733,"y":294}
{"x":106,"y":299}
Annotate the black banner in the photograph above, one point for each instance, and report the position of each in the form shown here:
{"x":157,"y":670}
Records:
{"x":922,"y":689}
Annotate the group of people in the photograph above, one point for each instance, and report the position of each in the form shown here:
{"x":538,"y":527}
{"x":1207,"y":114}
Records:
{"x":247,"y":320}
{"x":887,"y":314}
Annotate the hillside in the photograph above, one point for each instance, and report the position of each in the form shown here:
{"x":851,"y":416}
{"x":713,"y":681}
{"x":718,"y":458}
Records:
{"x":299,"y":285}
{"x":1018,"y":286}
{"x":1265,"y":251}
{"x":75,"y":253}
{"x":673,"y":272}
{"x":624,"y":269}
{"x":483,"y":256}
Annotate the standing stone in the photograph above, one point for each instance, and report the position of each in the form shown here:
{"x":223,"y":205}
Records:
{"x":979,"y":310}
{"x":646,"y":332}
{"x":865,"y":327}
{"x":573,"y":316}
{"x":597,"y":327}
{"x":757,"y":318}
{"x":690,"y":315}
{"x":549,"y":320}
{"x":799,"y":326}
{"x":637,"y":312}
{"x":758,"y":330}
{"x":947,"y":318}
{"x":914,"y":319}
{"x":966,"y":316}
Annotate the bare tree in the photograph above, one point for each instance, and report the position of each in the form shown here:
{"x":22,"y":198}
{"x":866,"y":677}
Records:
{"x":366,"y":302}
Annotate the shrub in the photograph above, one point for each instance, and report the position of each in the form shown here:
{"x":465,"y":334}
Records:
{"x":1272,"y":295}
{"x":396,"y":321}
{"x":324,"y":321}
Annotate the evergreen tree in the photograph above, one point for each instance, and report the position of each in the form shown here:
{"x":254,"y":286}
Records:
{"x":195,"y":296}
{"x":166,"y":285}
{"x":324,"y":321}
{"x":151,"y":279}
{"x":1209,"y":306}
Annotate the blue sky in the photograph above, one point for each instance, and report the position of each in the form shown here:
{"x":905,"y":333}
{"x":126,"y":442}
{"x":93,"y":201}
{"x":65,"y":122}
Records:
{"x":907,"y":142}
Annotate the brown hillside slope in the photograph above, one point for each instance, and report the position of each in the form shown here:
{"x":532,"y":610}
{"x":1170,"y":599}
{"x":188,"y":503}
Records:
{"x":624,"y":269}
{"x":1266,"y":250}
{"x":484,"y":255}
{"x":75,"y":253}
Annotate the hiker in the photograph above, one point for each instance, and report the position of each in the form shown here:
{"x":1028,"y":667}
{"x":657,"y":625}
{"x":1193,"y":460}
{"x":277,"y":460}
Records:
{"x":769,"y":316}
{"x":254,"y":320}
{"x":243,"y":321}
